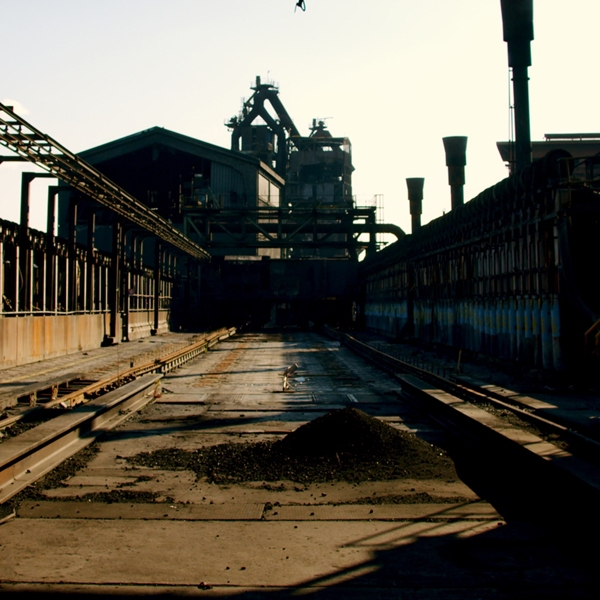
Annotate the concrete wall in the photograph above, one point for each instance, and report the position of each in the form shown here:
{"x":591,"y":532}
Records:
{"x":30,"y":339}
{"x":389,"y":318}
{"x":141,"y":323}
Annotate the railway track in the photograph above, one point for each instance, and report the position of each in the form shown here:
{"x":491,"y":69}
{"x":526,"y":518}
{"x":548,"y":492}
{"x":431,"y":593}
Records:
{"x":449,"y":402}
{"x":68,"y":391}
{"x":104,"y":404}
{"x":479,"y":412}
{"x":525,"y":408}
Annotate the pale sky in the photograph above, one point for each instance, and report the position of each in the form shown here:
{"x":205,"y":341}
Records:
{"x":395,"y":76}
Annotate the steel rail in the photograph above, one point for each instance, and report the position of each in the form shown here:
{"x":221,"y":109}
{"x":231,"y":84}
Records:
{"x":445,"y":402}
{"x":29,"y":456}
{"x":473,"y":394}
{"x":162,"y":365}
{"x":31,"y":144}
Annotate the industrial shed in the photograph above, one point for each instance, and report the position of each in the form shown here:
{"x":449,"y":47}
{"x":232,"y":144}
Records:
{"x":170,"y":172}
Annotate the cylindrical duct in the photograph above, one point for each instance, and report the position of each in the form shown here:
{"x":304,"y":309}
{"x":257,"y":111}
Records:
{"x":415,"y":197}
{"x":517,"y":23}
{"x":456,"y":159}
{"x":517,"y":26}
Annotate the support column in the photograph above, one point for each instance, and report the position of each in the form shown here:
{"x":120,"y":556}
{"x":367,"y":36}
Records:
{"x":126,"y":283}
{"x":51,"y":279}
{"x":172,"y":284}
{"x":134,"y":286}
{"x":114,"y":292}
{"x":157,"y":285}
{"x":72,"y":255}
{"x":187,"y":292}
{"x":91,"y":262}
{"x":23,"y":266}
{"x":17,"y":303}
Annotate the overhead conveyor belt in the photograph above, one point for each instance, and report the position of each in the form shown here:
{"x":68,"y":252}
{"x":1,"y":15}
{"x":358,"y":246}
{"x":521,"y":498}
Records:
{"x":33,"y":145}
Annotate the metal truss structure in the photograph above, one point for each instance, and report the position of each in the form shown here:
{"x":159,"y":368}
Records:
{"x":31,"y":144}
{"x":278,"y":227}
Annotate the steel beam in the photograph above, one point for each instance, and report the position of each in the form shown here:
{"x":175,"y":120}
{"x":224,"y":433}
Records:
{"x":286,"y":228}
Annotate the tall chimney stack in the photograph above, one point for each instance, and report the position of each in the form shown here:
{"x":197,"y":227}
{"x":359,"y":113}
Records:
{"x":415,"y":197}
{"x":456,"y":159}
{"x":517,"y":23}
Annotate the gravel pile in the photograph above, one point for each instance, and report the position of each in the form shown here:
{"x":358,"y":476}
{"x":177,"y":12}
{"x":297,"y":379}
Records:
{"x":344,"y":445}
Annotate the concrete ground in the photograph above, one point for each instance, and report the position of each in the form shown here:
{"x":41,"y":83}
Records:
{"x":274,"y":539}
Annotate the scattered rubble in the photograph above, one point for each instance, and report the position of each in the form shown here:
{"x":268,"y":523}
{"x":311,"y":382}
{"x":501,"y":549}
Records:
{"x":116,"y":496}
{"x":415,"y":498}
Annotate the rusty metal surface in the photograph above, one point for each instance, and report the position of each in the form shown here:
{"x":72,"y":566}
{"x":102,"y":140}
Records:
{"x":75,"y":391}
{"x":18,"y":382}
{"x":31,"y":339}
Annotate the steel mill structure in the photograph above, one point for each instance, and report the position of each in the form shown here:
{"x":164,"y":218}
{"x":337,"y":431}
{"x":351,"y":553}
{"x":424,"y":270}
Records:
{"x":216,"y":380}
{"x":159,"y":231}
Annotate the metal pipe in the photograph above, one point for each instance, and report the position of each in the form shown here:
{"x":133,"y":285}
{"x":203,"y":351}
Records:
{"x":415,"y":197}
{"x":456,"y":159}
{"x":24,"y":262}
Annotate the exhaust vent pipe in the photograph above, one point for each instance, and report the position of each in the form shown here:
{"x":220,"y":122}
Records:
{"x":517,"y":25}
{"x":456,"y":159}
{"x":415,"y":197}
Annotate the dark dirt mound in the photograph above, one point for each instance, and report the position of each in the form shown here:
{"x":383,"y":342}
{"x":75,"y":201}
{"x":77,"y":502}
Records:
{"x":348,"y":432}
{"x":344,"y":445}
